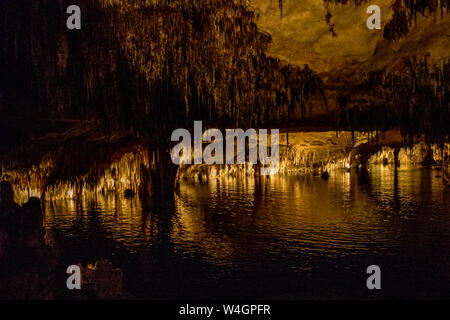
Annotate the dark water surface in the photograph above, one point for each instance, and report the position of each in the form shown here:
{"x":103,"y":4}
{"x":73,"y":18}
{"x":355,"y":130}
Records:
{"x":278,"y":237}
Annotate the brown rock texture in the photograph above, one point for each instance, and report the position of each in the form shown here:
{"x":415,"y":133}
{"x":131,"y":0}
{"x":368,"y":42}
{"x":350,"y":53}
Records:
{"x":302,"y":36}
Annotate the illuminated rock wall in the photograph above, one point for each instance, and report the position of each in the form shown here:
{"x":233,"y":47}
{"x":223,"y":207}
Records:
{"x":121,"y":175}
{"x":417,"y":154}
{"x":316,"y":152}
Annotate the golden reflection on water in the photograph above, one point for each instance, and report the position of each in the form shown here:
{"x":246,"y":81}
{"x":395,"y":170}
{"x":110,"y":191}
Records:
{"x":228,"y":220}
{"x":348,"y":214}
{"x":118,"y":218}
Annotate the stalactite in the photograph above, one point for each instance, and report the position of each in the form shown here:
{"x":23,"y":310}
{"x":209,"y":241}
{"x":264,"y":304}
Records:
{"x":405,"y":12}
{"x":126,"y":173}
{"x":159,"y":63}
{"x":398,"y":26}
{"x":413,"y":98}
{"x":280,"y":5}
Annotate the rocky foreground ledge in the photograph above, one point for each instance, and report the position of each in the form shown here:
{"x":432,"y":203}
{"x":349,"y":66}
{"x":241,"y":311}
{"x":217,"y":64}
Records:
{"x":26,"y":262}
{"x":29,"y":262}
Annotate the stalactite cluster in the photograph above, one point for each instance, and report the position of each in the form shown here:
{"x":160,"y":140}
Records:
{"x":280,"y":5}
{"x":414,"y":99}
{"x":127,"y":172}
{"x":152,"y":64}
{"x":398,"y":26}
{"x":405,"y":14}
{"x":216,"y":60}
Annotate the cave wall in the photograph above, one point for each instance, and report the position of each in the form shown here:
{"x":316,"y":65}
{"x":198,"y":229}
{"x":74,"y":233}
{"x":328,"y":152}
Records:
{"x":302,"y":35}
{"x":149,"y":67}
{"x":393,"y":77}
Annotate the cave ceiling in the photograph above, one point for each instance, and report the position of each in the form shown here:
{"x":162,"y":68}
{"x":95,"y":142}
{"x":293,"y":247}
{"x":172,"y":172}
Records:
{"x":302,"y":36}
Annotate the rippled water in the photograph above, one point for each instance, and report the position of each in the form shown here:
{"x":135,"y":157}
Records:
{"x":277,"y":237}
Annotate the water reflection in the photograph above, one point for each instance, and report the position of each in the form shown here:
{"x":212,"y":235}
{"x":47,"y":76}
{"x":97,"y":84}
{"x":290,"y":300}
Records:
{"x":117,"y":218}
{"x":227,"y":218}
{"x":281,"y":226}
